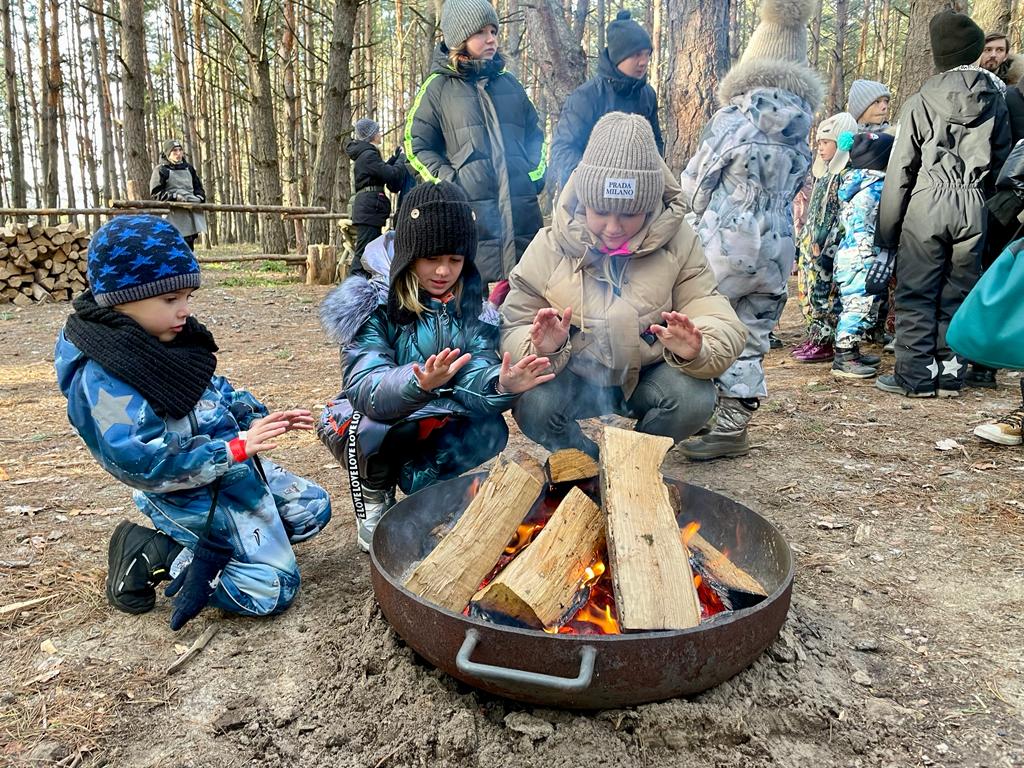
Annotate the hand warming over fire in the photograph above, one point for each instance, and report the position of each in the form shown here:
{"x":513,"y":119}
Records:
{"x":440,"y":368}
{"x":681,"y":336}
{"x":549,"y":332}
{"x":524,"y":375}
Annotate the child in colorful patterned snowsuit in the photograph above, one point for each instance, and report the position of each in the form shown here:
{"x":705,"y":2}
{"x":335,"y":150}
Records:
{"x":819,"y":239}
{"x":859,"y":194}
{"x":138,"y":373}
{"x":414,"y":410}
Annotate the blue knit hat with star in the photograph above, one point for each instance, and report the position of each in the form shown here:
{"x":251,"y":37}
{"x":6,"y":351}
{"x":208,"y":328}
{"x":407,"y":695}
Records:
{"x":137,"y":257}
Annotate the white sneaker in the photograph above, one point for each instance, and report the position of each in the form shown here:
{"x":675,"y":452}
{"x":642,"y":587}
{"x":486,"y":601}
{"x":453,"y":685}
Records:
{"x":375,"y":504}
{"x":1005,"y":431}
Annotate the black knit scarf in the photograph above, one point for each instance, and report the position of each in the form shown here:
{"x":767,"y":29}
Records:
{"x":171,"y":376}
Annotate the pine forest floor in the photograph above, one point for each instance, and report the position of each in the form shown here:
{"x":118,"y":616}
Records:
{"x":904,"y":645}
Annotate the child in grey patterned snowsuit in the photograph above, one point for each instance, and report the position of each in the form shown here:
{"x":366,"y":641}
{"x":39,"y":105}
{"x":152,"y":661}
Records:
{"x":751,"y":163}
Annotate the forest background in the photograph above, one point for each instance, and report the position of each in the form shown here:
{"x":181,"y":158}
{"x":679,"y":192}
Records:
{"x":263,"y":93}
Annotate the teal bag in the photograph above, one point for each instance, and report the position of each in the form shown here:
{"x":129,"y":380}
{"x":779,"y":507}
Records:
{"x":989,"y":326}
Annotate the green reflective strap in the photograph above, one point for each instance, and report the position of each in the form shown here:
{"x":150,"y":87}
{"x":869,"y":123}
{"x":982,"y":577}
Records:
{"x":538,"y":173}
{"x":414,"y":161}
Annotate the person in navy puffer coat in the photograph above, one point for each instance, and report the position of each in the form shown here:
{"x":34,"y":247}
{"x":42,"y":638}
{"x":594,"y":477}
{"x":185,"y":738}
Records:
{"x":138,"y":374}
{"x":423,"y":388}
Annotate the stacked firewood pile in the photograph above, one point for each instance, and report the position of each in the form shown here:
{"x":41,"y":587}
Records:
{"x":40,"y":263}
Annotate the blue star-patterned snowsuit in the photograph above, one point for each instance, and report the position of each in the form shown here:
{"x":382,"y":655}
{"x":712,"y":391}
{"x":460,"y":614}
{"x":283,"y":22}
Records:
{"x":171,"y":464}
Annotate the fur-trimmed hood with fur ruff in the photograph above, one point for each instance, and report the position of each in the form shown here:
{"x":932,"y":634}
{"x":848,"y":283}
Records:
{"x":772,"y":73}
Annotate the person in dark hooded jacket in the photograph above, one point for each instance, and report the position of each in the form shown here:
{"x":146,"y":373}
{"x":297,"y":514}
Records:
{"x":424,"y":387}
{"x":620,"y":85}
{"x":371,"y":176}
{"x":472,"y":123}
{"x":953,"y":138}
{"x":174,"y":179}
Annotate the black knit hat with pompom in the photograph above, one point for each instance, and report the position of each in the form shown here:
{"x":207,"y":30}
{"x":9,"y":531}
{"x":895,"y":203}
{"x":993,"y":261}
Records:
{"x":626,"y":37}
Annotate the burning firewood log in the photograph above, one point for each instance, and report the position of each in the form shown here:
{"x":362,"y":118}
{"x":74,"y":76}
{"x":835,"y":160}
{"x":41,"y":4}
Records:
{"x":451,"y":573}
{"x":650,"y":564}
{"x":539,"y":587}
{"x":570,"y":465}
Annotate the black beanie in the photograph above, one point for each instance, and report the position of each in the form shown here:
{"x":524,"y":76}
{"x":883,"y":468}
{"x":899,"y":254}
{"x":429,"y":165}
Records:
{"x":871,"y":151}
{"x":435,"y":219}
{"x":626,"y":37}
{"x":956,"y":40}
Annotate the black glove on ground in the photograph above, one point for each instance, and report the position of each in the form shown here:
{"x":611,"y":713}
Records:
{"x":194,"y":586}
{"x":876,"y":283}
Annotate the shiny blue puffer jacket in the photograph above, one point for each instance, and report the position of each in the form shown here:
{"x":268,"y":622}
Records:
{"x":377,"y":355}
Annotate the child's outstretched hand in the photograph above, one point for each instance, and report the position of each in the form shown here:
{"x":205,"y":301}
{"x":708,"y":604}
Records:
{"x":681,"y":337}
{"x":261,"y":433}
{"x":524,"y":375}
{"x":439,"y":369}
{"x":549,"y":332}
{"x":298,"y":418}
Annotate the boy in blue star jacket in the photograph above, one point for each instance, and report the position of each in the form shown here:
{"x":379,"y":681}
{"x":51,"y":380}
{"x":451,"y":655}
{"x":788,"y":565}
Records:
{"x":138,"y":373}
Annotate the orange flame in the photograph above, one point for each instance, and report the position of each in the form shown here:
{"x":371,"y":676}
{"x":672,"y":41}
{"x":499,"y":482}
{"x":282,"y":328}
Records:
{"x":474,"y":488}
{"x":689,"y":530}
{"x":525,"y":533}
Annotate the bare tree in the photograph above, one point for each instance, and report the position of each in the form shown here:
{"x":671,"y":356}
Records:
{"x":13,"y":112}
{"x":837,"y":88}
{"x":133,"y":87}
{"x":556,"y":51}
{"x":698,"y":58}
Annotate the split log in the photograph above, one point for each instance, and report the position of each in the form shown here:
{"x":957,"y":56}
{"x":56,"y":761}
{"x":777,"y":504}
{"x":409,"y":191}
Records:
{"x":650,"y":565}
{"x":569,"y":465}
{"x":450,"y":575}
{"x":709,"y":560}
{"x":538,"y":588}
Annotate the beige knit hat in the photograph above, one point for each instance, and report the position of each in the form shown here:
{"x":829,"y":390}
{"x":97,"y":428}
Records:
{"x":782,"y":32}
{"x":829,"y":129}
{"x":621,"y":169}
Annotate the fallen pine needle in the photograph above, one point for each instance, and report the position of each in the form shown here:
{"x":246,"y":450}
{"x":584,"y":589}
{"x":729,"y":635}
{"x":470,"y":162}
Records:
{"x":12,"y":607}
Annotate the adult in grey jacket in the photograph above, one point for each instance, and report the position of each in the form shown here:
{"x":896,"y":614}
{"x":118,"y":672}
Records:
{"x":175,"y":179}
{"x":953,"y":138}
{"x":751,"y":162}
{"x":472,"y":123}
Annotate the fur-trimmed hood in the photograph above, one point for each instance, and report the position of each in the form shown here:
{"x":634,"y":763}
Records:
{"x":350,"y":305}
{"x":1012,"y":70}
{"x":772,"y":73}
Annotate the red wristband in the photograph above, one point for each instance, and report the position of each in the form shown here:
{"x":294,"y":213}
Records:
{"x":237,"y":448}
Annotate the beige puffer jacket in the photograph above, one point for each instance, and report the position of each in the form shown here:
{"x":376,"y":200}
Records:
{"x":563,"y":268}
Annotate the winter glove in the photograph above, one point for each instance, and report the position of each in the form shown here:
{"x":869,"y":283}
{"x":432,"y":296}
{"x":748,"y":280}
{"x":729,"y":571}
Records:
{"x":194,"y":586}
{"x":876,"y":283}
{"x":498,"y":294}
{"x":1004,"y":205}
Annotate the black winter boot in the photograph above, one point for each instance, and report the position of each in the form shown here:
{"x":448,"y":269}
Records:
{"x":848,"y":364}
{"x":137,"y":559}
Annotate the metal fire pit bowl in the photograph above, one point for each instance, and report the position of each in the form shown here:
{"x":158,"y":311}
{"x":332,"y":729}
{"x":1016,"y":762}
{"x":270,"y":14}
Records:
{"x":583,"y":671}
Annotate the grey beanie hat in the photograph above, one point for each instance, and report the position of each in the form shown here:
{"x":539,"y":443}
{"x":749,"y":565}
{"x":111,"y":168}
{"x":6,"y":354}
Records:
{"x":781,"y":33}
{"x":621,"y":170}
{"x":461,"y":19}
{"x":864,"y":93}
{"x":171,"y":144}
{"x":366,"y":129}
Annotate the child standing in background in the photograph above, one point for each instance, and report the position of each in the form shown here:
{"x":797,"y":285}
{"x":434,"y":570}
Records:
{"x":819,"y":239}
{"x":859,"y":194}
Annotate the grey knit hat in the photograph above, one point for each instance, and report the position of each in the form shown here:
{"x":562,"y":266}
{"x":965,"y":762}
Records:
{"x":782,"y":32}
{"x":461,"y":19}
{"x":171,"y":144}
{"x":621,"y":170}
{"x":864,"y":93}
{"x":366,"y":129}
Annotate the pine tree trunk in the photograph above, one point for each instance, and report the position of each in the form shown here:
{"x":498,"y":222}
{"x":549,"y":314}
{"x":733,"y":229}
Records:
{"x":556,"y":52}
{"x":837,"y":89}
{"x":814,"y":55}
{"x":698,"y":58}
{"x":992,"y":15}
{"x":13,"y":112}
{"x":133,"y":87}
{"x":337,"y":117}
{"x":264,"y":150}
{"x":917,"y":64}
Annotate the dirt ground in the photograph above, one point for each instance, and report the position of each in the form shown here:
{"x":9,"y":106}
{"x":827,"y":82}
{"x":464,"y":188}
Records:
{"x":904,"y":645}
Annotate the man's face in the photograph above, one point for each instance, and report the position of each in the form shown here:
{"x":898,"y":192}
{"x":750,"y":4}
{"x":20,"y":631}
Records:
{"x":994,"y":54}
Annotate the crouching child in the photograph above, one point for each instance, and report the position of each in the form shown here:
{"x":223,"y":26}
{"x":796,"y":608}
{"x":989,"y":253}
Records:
{"x":138,"y":374}
{"x":423,"y":387}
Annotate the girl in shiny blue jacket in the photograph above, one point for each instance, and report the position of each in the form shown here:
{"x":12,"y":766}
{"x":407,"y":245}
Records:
{"x":423,"y":388}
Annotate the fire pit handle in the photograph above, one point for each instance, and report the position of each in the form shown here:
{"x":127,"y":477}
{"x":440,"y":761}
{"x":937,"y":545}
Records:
{"x":588,"y":654}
